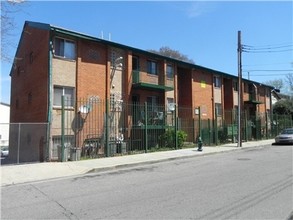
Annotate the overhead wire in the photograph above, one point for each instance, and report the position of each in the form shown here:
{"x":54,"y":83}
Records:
{"x":267,"y":48}
{"x":267,"y":70}
{"x":276,"y":48}
{"x":266,"y":64}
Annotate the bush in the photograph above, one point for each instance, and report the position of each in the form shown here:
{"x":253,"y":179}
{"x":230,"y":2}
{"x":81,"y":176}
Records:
{"x":168,"y":138}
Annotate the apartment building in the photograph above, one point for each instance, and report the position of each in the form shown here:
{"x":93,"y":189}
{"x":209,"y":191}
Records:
{"x":53,"y":62}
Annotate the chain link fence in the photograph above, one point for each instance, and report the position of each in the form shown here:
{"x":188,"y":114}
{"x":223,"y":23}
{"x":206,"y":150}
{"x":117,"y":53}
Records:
{"x":27,"y":142}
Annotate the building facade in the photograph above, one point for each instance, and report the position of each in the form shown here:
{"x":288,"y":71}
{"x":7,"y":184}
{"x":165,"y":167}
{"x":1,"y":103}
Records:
{"x":4,"y":124}
{"x":95,"y":75}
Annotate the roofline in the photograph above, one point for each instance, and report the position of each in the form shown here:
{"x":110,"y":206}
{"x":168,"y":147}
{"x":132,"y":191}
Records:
{"x":114,"y":44}
{"x":30,"y":24}
{"x":276,"y":95}
{"x":2,"y":103}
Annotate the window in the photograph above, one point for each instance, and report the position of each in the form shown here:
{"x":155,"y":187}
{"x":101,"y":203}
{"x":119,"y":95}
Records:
{"x":170,"y":71}
{"x":135,"y":63}
{"x":68,"y":93}
{"x":217,"y":82}
{"x":251,"y":88}
{"x":218,"y":109}
{"x":245,"y":87}
{"x":268,"y":92}
{"x":152,"y":103}
{"x":235,"y":86}
{"x":152,"y":67}
{"x":64,"y":48}
{"x":170,"y":104}
{"x":68,"y":143}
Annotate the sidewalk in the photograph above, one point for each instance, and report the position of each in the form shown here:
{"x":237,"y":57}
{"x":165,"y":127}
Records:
{"x":24,"y":173}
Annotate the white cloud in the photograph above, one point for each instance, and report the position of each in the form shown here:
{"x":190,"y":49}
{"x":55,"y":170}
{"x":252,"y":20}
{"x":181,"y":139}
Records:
{"x":199,"y":8}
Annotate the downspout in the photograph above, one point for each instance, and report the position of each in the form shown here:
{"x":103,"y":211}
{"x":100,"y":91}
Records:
{"x":49,"y":112}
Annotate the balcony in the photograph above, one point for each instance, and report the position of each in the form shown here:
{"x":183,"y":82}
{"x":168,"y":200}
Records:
{"x":148,"y":81}
{"x":252,"y":99}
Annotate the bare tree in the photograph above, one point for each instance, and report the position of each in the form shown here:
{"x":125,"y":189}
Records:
{"x":289,"y":80}
{"x":277,"y":83}
{"x":8,"y":8}
{"x":175,"y":54}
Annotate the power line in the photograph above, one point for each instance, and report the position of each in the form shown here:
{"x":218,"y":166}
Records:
{"x":266,"y":70}
{"x":267,"y":64}
{"x":267,"y":49}
{"x":274,"y":74}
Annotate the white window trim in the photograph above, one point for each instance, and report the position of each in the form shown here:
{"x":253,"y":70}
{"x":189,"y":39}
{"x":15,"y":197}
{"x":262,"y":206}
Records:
{"x":71,"y":106}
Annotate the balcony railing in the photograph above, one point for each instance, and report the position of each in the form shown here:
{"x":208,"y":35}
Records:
{"x":143,"y":79}
{"x":253,"y":99}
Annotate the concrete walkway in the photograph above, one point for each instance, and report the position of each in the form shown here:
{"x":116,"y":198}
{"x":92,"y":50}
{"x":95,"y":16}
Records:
{"x":24,"y":173}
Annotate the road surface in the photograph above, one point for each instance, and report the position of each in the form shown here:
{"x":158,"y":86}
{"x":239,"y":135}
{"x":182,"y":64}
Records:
{"x":255,"y":183}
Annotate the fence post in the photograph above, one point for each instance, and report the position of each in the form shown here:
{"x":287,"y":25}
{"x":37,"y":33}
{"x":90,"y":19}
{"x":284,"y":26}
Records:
{"x":62,"y":129}
{"x":199,"y":122}
{"x":18,"y":143}
{"x":146,"y":127}
{"x":193,"y":130}
{"x":176,"y":128}
{"x":107,"y":129}
{"x":266,"y":115}
{"x":209,"y":128}
{"x":216,"y":130}
{"x":245,"y":126}
{"x":277,"y":124}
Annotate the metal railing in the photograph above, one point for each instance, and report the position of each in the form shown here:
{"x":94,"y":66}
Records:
{"x":108,"y":128}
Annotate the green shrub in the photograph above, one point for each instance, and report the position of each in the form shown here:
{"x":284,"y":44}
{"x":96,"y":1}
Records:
{"x":168,"y":138}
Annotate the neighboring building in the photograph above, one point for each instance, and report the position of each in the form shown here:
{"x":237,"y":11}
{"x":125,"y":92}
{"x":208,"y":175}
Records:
{"x":4,"y":124}
{"x":276,"y":96}
{"x":52,"y":61}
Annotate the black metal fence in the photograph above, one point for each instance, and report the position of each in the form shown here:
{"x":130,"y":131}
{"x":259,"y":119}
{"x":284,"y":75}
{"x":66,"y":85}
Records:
{"x":103,"y":129}
{"x":99,"y":128}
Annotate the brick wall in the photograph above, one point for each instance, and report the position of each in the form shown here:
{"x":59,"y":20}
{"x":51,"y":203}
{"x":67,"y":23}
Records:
{"x":91,"y":70}
{"x":29,"y":78}
{"x":202,"y":92}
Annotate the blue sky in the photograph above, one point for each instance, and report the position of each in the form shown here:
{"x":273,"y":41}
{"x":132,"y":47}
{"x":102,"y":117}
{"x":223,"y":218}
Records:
{"x":205,"y":31}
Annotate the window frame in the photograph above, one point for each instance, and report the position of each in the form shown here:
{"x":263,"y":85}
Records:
{"x":152,"y":103}
{"x":218,"y":109}
{"x":235,"y":86}
{"x":57,"y":97}
{"x":170,"y":71}
{"x":152,"y":67}
{"x":170,"y":100}
{"x":62,"y":52}
{"x":217,"y":82}
{"x":56,"y":143}
{"x":135,"y":63}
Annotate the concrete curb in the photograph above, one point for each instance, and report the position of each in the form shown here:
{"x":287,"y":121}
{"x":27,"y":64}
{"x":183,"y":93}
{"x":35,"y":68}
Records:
{"x":149,"y":162}
{"x":28,"y":173}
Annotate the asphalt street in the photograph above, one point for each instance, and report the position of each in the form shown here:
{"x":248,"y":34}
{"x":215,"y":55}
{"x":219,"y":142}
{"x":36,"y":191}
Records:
{"x":253,"y":183}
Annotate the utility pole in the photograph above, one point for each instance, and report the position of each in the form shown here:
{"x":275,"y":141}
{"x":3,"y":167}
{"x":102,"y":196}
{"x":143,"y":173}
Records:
{"x":239,"y":51}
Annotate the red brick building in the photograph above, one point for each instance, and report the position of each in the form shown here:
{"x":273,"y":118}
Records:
{"x":52,"y":61}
